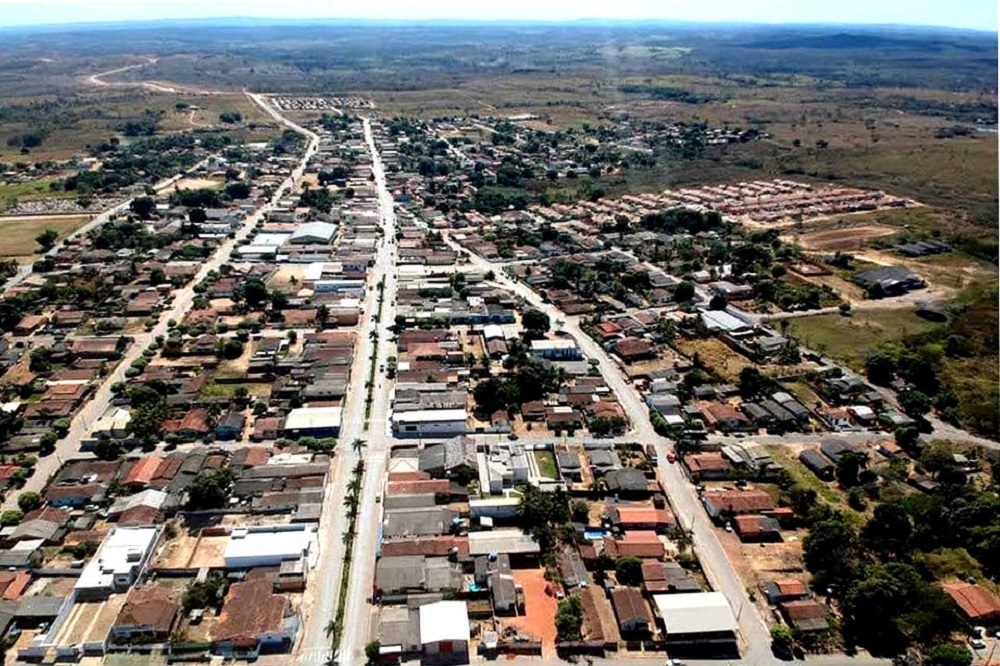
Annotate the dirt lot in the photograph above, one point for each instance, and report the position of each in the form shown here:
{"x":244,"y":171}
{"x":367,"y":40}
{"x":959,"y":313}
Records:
{"x":842,"y":237}
{"x":539,"y":610}
{"x":665,"y":359}
{"x":716,"y":356}
{"x":198,"y":184}
{"x":191,"y":552}
{"x":282,"y":278}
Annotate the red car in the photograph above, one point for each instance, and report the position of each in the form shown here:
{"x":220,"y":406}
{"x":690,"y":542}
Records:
{"x":671,"y":457}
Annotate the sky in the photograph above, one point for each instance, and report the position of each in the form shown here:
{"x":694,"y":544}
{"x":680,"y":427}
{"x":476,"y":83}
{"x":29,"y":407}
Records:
{"x":974,"y":14}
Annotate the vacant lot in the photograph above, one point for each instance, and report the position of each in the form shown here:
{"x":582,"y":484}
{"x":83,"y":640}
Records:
{"x":198,"y":184}
{"x":716,"y":356}
{"x":539,"y":609}
{"x":13,"y":193}
{"x":843,"y":237}
{"x":18,"y":233}
{"x":851,"y":339}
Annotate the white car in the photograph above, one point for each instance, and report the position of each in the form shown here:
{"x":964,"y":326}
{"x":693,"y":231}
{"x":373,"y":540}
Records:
{"x":977,"y":643}
{"x":674,"y":662}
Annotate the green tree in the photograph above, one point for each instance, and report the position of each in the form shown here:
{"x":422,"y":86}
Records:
{"x":832,"y":550}
{"x":849,"y":468}
{"x":29,"y":500}
{"x":210,"y":490}
{"x":47,"y":239}
{"x":889,"y":533}
{"x":238,"y":190}
{"x":569,"y":617}
{"x":254,"y":292}
{"x":535,"y":320}
{"x":373,"y":649}
{"x":881,"y":368}
{"x":143,"y":207}
{"x":684,"y":292}
{"x":628,"y":571}
{"x":915,"y":403}
{"x":947,"y":654}
{"x":109,"y":449}
{"x":11,"y":517}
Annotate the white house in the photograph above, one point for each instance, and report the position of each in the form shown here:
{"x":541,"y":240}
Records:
{"x":444,"y":630}
{"x":430,"y":423}
{"x":122,"y":556}
{"x":268,"y":545}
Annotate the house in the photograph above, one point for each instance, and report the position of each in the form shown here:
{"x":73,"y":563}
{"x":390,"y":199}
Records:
{"x":631,"y":350}
{"x":805,"y":615}
{"x":756,"y":528}
{"x":230,"y":427}
{"x":628,"y":482}
{"x":416,"y":573}
{"x":817,"y":464}
{"x":28,"y":325}
{"x":141,"y":473}
{"x":976,"y":603}
{"x":708,"y":465}
{"x":254,"y":620}
{"x":639,"y":517}
{"x":637,"y":543}
{"x":312,"y":233}
{"x":778,"y":591}
{"x":99,"y":348}
{"x":630,"y":609}
{"x":118,"y":562}
{"x":569,"y":466}
{"x":448,"y":458}
{"x":669,"y":577}
{"x":722,"y":503}
{"x":266,"y":428}
{"x":725,"y":418}
{"x":444,"y":631}
{"x":562,"y":349}
{"x":147,"y":616}
{"x":834,"y":448}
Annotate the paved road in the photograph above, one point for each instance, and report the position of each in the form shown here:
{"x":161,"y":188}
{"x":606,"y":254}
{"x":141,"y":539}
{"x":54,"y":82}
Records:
{"x":359,"y":613}
{"x":182,"y":301}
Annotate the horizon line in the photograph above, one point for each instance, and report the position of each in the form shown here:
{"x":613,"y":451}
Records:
{"x":275,"y":21}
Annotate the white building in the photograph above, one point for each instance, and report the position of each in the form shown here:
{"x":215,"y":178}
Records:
{"x":268,"y":545}
{"x":444,"y":630}
{"x":430,"y":423}
{"x":697,"y":618}
{"x":313,"y":422}
{"x":561,"y":349}
{"x":122,"y":556}
{"x":312,"y":233}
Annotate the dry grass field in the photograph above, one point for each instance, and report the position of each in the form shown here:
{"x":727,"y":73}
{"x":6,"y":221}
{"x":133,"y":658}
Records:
{"x":18,"y":233}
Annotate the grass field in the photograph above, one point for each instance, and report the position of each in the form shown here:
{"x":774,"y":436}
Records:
{"x":18,"y":233}
{"x":546,"y":463}
{"x":851,"y":339}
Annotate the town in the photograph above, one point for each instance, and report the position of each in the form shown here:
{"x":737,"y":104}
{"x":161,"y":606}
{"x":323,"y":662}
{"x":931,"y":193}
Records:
{"x":363,"y":389}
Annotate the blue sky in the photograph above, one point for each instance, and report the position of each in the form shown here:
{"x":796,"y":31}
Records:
{"x":976,"y":14}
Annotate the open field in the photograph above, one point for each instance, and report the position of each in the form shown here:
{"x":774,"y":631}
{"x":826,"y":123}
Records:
{"x":716,"y":356}
{"x":19,"y":233}
{"x":198,"y":184}
{"x":851,"y":339}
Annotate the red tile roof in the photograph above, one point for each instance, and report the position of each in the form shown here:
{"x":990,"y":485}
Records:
{"x":143,"y":471}
{"x":636,"y":543}
{"x":975,"y":601}
{"x":251,"y":609}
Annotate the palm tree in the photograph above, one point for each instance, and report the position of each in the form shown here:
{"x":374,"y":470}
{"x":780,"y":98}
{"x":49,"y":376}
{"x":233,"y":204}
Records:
{"x":331,"y":627}
{"x":358,"y":444}
{"x":681,"y":537}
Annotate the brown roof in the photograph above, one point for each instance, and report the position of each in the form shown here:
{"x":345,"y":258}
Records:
{"x":706,"y":461}
{"x":408,"y":476}
{"x":152,"y":607}
{"x":143,"y":471}
{"x":251,"y":609}
{"x":635,"y":543}
{"x":431,"y":546}
{"x":428,"y":487}
{"x":629,"y":606}
{"x":642,"y":514}
{"x":739,"y":501}
{"x":632,"y":347}
{"x":139,"y":515}
{"x":975,"y":601}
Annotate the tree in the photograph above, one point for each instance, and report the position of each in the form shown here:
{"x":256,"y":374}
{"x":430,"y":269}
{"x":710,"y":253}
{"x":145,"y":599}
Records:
{"x":157,"y":276}
{"x":888,"y":534}
{"x":915,"y":403}
{"x":206,"y":593}
{"x":832,"y":550}
{"x":29,"y":500}
{"x":238,"y":190}
{"x":535,"y":320}
{"x":628,"y":571}
{"x":209,"y":490}
{"x":881,"y":368}
{"x":569,"y":617}
{"x":718,"y":302}
{"x":197,"y":216}
{"x":231,"y":349}
{"x":938,"y":456}
{"x":373,"y":649}
{"x":254,"y":292}
{"x":109,"y":449}
{"x":541,"y":510}
{"x":143,"y":207}
{"x":47,"y":239}
{"x":684,"y":292}
{"x":752,"y":383}
{"x":947,"y":654}
{"x":906,"y":437}
{"x":580,"y":511}
{"x":11,"y":517}
{"x":849,"y":468}
{"x":145,"y":418}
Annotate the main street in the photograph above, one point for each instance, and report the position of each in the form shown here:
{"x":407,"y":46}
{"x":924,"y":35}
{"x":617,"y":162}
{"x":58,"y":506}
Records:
{"x":322,"y":601}
{"x":359,"y":613}
{"x":182,"y":300}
